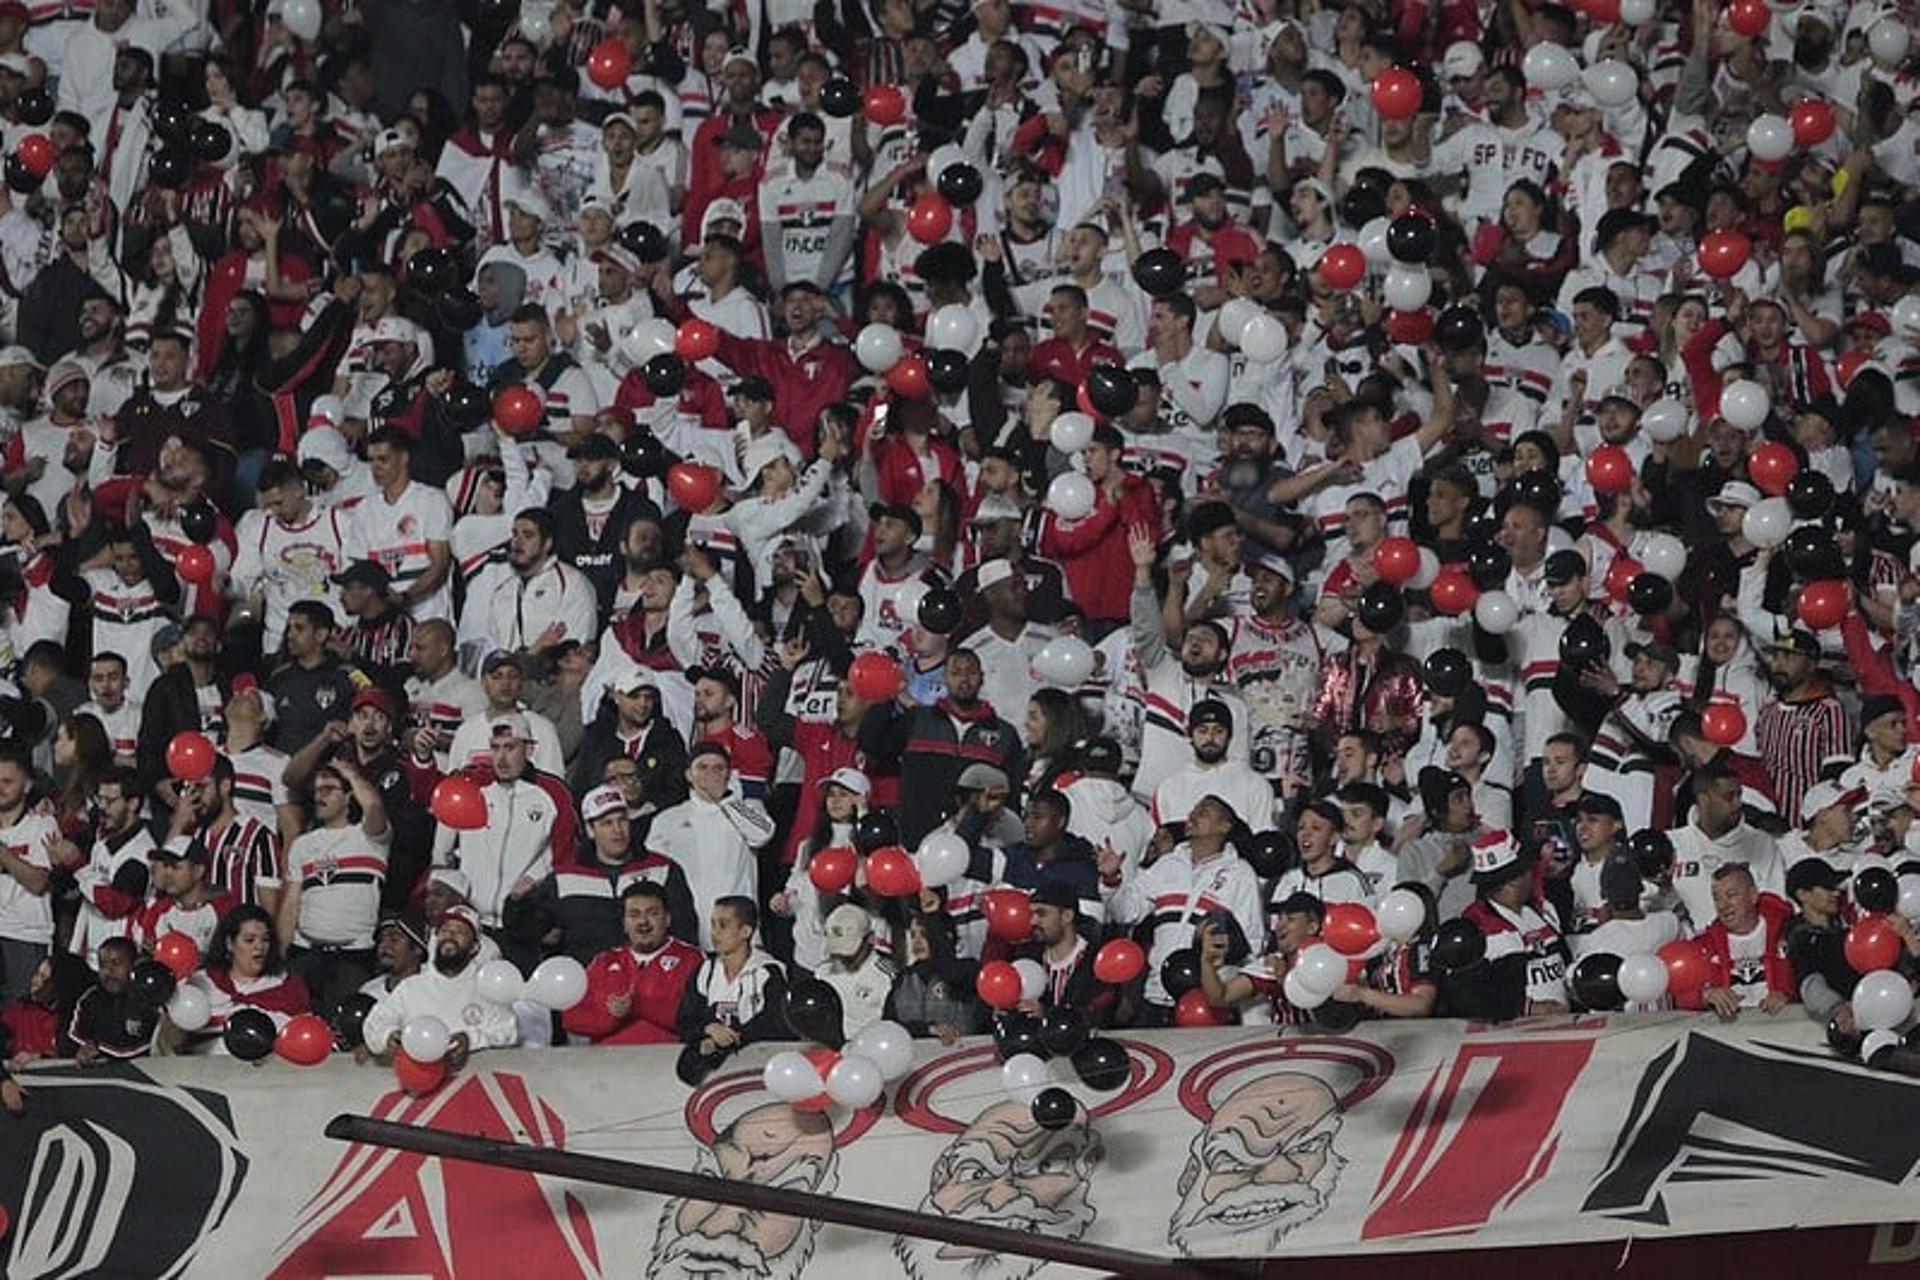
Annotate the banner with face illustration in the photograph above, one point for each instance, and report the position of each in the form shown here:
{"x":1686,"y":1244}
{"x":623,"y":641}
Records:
{"x":1607,"y":1146}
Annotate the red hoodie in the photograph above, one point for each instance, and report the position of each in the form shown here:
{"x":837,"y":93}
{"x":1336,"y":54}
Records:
{"x":1092,"y":551}
{"x":653,"y":983}
{"x":1775,"y":912}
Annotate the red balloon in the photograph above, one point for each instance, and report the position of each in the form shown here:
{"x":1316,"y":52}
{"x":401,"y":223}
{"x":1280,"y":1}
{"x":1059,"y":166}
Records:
{"x":36,"y":154}
{"x":998,"y":985}
{"x":1849,"y":363}
{"x":416,"y":1077}
{"x":305,"y":1041}
{"x":1453,"y":592}
{"x":458,"y":803}
{"x":1083,"y":400}
{"x":1009,"y":915}
{"x":1411,"y":327}
{"x":1343,"y":266}
{"x":1396,"y":560}
{"x":1609,"y":469}
{"x":875,"y":677}
{"x":1604,"y":12}
{"x":930,"y":218}
{"x":1812,"y":121}
{"x":1192,"y":1010}
{"x":831,"y":870}
{"x":1722,"y":253}
{"x":1824,"y":604}
{"x":609,"y":64}
{"x":885,"y":105}
{"x":190,"y":756}
{"x":1748,"y":17}
{"x":908,"y":377}
{"x":1723,"y":723}
{"x":1772,"y":466}
{"x":1396,"y":93}
{"x":694,"y":485}
{"x":1119,"y":961}
{"x":696,"y":340}
{"x":1687,"y":970}
{"x":195,"y":565}
{"x":1872,"y":945}
{"x":180,"y":953}
{"x":1349,"y":928}
{"x":1620,"y":576}
{"x":891,"y":873}
{"x":518,"y":409}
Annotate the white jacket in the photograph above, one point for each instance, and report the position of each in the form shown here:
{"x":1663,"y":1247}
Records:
{"x":454,"y":1000}
{"x":714,"y":844}
{"x":1175,"y":896}
{"x":517,"y":841}
{"x":524,"y":607}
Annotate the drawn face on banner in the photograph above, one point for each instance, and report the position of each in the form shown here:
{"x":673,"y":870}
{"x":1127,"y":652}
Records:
{"x":1263,"y":1165}
{"x":770,"y":1146}
{"x":1006,"y":1171}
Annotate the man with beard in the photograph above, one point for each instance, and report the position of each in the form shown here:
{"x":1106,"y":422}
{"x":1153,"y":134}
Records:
{"x":399,"y":950}
{"x":449,"y":991}
{"x":1005,"y":1171}
{"x":1211,"y":773}
{"x":1009,"y":642}
{"x":1211,"y":243}
{"x":290,"y":548}
{"x":716,"y":720}
{"x":636,"y":732}
{"x":1804,"y":725}
{"x":546,"y":600}
{"x":1275,"y":661}
{"x":170,"y":405}
{"x":1263,"y":1166}
{"x":634,"y":988}
{"x":935,"y":744}
{"x":591,"y":520}
{"x":771,"y":1145}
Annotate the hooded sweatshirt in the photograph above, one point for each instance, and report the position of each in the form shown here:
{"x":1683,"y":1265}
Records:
{"x":1105,"y":812}
{"x":453,"y":998}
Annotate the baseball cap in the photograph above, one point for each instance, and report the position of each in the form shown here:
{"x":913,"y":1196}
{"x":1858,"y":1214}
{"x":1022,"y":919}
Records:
{"x":1436,"y":784}
{"x":368,"y":573}
{"x":741,"y":136}
{"x":1620,"y":883}
{"x":619,"y":117}
{"x":633,"y":680}
{"x":849,"y":780}
{"x":614,"y":255}
{"x":1564,"y":566}
{"x":752,"y":388}
{"x":982,"y":777}
{"x":1735,"y":493}
{"x":390,"y":139}
{"x":529,"y":202}
{"x":1462,"y":59}
{"x":896,"y":511}
{"x":995,"y":509}
{"x":1202,"y":183}
{"x":1876,"y":705}
{"x":379,"y":699}
{"x":993,"y":573}
{"x":62,"y":374}
{"x":1812,"y":873}
{"x":324,"y":445}
{"x":1599,"y":804}
{"x":1496,"y":857}
{"x":511,"y":725}
{"x":396,"y":329}
{"x":721,"y":676}
{"x":847,"y":929}
{"x":15,"y":356}
{"x":1052,"y":891}
{"x":453,"y":878}
{"x":184,"y":849}
{"x":1275,"y":564}
{"x":408,"y":921}
{"x":1824,"y":795}
{"x":1658,"y":650}
{"x":722,"y":210}
{"x":502,"y":658}
{"x":1209,"y":711}
{"x":739,"y":54}
{"x":1100,"y":755}
{"x":600,"y":802}
{"x":1797,"y":640}
{"x":763,"y":453}
{"x":461,"y":914}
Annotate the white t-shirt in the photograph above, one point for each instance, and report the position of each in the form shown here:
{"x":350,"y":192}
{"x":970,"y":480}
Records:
{"x":341,"y":871}
{"x":398,"y":534}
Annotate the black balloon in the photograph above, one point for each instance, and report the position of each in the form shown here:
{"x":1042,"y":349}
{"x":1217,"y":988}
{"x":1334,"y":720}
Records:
{"x":495,"y":15}
{"x":249,"y":1035}
{"x":1160,"y":272}
{"x":170,"y":168}
{"x":1102,"y":1064}
{"x":1875,"y":890}
{"x":349,"y":1019}
{"x":813,"y":1012}
{"x":1483,"y":523}
{"x":1813,"y":555}
{"x":1271,"y":854}
{"x":1488,"y":564}
{"x":151,"y":984}
{"x":1410,"y":239}
{"x":960,"y":183}
{"x":172,"y":121}
{"x":1845,"y":1043}
{"x":939,"y":611}
{"x":19,"y":180}
{"x":1537,"y":489}
{"x":875,"y":830}
{"x":1596,"y":982}
{"x":209,"y":140}
{"x":643,"y":455}
{"x":1017,"y":1033}
{"x":644,"y":241}
{"x":666,"y":374}
{"x":1382,"y":608}
{"x":1649,"y":595}
{"x":1180,"y":972}
{"x":1810,"y":494}
{"x":946,"y":370}
{"x":1652,"y":852}
{"x":35,"y":107}
{"x":1458,"y":945}
{"x":466,"y":405}
{"x":434,"y":270}
{"x":1459,"y":328}
{"x":1063,"y":1029}
{"x":1054,"y":1108}
{"x":840,"y":98}
{"x":1111,"y":389}
{"x":199,"y":522}
{"x":1583,"y":643}
{"x":1448,"y":673}
{"x":458,"y":308}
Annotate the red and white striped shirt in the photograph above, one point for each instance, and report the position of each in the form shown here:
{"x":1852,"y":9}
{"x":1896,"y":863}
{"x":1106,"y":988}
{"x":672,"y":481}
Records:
{"x":245,"y":858}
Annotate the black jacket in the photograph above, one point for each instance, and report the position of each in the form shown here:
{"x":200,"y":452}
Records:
{"x":171,"y":707}
{"x":599,"y":558}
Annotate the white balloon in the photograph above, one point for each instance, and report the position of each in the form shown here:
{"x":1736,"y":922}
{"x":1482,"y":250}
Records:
{"x":1875,"y":1041}
{"x":1070,"y":496}
{"x":954,"y":328}
{"x":1550,"y":66}
{"x":1373,"y":242}
{"x":887,"y":1045}
{"x":1406,"y":287}
{"x":855,"y":1081}
{"x":1023,"y":1076}
{"x":1300,"y":995}
{"x":1662,"y":554}
{"x":1263,"y":339}
{"x":1745,"y":404}
{"x":1400,"y":915}
{"x":1320,"y":967}
{"x":1064,"y":662}
{"x":1428,"y":571}
{"x":942,"y":859}
{"x":1767,"y":522}
{"x":1072,"y":431}
{"x":1611,"y":82}
{"x":651,"y":337}
{"x":302,"y":18}
{"x":790,"y":1077}
{"x":1033,"y":978}
{"x":1881,"y":1001}
{"x":500,"y":982}
{"x":425,"y":1038}
{"x":1665,"y":420}
{"x":1887,"y":39}
{"x":189,"y":1009}
{"x":559,"y":983}
{"x":1496,"y":612}
{"x":1643,"y":978}
{"x":536,"y":24}
{"x":1233,"y":318}
{"x":1636,"y":13}
{"x":1905,"y":315}
{"x":1909,"y":907}
{"x":1770,"y":138}
{"x":877,"y":348}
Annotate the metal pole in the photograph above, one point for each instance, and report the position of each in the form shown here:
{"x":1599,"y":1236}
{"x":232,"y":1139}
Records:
{"x":777,"y":1200}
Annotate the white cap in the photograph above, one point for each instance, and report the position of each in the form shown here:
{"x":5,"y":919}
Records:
{"x":722,"y":210}
{"x":16,"y":355}
{"x":328,"y":411}
{"x":529,"y":201}
{"x":632,"y":680}
{"x":397,"y":329}
{"x":851,"y":780}
{"x":739,"y":54}
{"x":764,"y":452}
{"x":325,"y":445}
{"x":390,"y":139}
{"x":1462,"y":58}
{"x":453,"y":878}
{"x":847,"y":928}
{"x":602,"y":802}
{"x":996,"y":508}
{"x":512,"y":724}
{"x":1735,"y":493}
{"x":1824,"y":795}
{"x":993,"y":573}
{"x":1494,"y":851}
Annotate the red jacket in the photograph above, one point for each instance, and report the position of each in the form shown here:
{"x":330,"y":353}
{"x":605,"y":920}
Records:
{"x":701,"y":398}
{"x":1056,"y":359}
{"x":803,"y":385}
{"x":30,"y":1028}
{"x":654,"y":985}
{"x":1776,"y":913}
{"x":901,"y":474}
{"x":1092,"y":551}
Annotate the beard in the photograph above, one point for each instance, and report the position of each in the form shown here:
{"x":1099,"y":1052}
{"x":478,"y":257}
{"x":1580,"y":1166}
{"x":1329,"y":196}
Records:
{"x":698,"y":1256}
{"x":1209,"y":754}
{"x":452,"y":963}
{"x":932,"y":1260}
{"x":1269,"y":1213}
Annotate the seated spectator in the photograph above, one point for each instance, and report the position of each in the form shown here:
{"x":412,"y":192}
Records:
{"x":449,"y":990}
{"x":108,"y":1024}
{"x":1746,"y":947}
{"x":399,"y":950}
{"x":738,"y":997}
{"x":245,"y":969}
{"x":635,"y":990}
{"x":933,"y":995}
{"x":854,"y":968}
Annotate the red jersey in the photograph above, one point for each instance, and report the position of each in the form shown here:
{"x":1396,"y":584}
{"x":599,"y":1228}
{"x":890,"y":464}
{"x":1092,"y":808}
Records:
{"x":805,"y":380}
{"x":1057,"y":359}
{"x":654,"y":984}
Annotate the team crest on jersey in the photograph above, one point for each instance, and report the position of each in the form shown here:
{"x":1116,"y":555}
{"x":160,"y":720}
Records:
{"x":409,"y":525}
{"x":669,"y":963}
{"x":324,"y":697}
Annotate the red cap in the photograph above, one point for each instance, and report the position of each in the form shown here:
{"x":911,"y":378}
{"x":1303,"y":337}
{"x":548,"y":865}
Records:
{"x":377,"y":699}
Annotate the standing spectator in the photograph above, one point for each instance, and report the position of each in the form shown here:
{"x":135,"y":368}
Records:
{"x":935,"y":744}
{"x":854,"y":967}
{"x":1804,"y":726}
{"x":26,"y":877}
{"x":712,"y":836}
{"x":336,"y":872}
{"x":513,"y":853}
{"x":1094,"y":558}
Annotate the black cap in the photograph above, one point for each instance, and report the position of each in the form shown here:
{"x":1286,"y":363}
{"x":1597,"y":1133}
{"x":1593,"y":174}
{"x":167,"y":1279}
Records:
{"x":502,"y":658}
{"x":747,"y":139}
{"x":721,"y":676}
{"x":1301,"y":903}
{"x":367,"y":573}
{"x":1436,"y":784}
{"x":1880,"y":704}
{"x":595,"y":445}
{"x":1564,"y":566}
{"x":1600,"y":805}
{"x":1100,"y":755}
{"x":1617,"y":222}
{"x":565,"y":79}
{"x":1209,"y":711}
{"x":1109,"y":435}
{"x":188,"y":849}
{"x":1201,"y":183}
{"x":896,"y":511}
{"x":1620,"y":883}
{"x":1812,"y":873}
{"x":1798,"y":640}
{"x":752,"y":388}
{"x":1052,"y":891}
{"x":1658,"y":650}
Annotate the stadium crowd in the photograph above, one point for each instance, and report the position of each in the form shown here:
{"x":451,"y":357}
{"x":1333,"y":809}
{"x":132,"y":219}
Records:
{"x":866,"y":493}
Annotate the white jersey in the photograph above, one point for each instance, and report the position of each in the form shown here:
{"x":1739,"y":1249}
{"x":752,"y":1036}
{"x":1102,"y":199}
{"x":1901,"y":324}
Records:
{"x":104,"y":911}
{"x":443,"y":705}
{"x":27,"y":917}
{"x":122,"y":724}
{"x":1174,"y":895}
{"x":1249,"y":794}
{"x":398,"y":534}
{"x":807,"y":211}
{"x":259,"y":783}
{"x":286,"y":563}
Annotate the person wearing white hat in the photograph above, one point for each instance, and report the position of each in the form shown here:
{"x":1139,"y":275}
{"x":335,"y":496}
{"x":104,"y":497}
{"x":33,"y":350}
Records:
{"x":332,"y":470}
{"x":853,"y":967}
{"x":1008,"y":643}
{"x":1505,"y":912}
{"x":641,"y":171}
{"x":823,"y":820}
{"x":448,"y":988}
{"x":528,"y":216}
{"x":46,"y":445}
{"x":779,"y":500}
